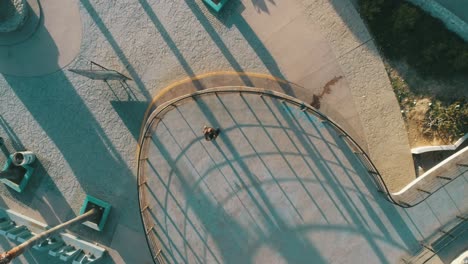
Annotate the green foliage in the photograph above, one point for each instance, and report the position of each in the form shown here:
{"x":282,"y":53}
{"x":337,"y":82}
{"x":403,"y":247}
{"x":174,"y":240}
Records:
{"x":447,"y":122}
{"x":404,"y":31}
{"x":405,"y":19}
{"x":401,"y":90}
{"x":371,"y":8}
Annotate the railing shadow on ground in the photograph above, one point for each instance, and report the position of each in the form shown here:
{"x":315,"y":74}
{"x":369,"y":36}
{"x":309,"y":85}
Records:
{"x":306,"y":141}
{"x":208,"y":212}
{"x":406,"y":236}
{"x":334,"y":182}
{"x":344,"y":198}
{"x":169,"y":217}
{"x":269,"y":215}
{"x":409,"y":239}
{"x":398,"y":224}
{"x":284,"y":158}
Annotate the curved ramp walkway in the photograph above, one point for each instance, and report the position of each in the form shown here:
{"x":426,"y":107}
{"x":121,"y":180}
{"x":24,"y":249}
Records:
{"x":277,"y":186}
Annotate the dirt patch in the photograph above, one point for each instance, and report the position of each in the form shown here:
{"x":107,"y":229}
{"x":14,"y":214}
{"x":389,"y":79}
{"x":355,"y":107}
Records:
{"x":414,"y":124}
{"x":417,"y":95}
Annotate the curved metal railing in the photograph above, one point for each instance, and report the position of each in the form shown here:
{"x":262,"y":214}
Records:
{"x":154,"y":118}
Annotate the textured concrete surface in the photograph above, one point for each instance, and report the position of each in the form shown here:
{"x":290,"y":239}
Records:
{"x":276,"y":186}
{"x":85,"y":132}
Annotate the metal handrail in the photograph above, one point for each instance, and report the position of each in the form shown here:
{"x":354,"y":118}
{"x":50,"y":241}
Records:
{"x":452,"y":232}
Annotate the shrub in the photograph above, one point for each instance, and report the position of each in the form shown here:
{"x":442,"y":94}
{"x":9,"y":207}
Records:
{"x":371,"y":8}
{"x":447,"y":121}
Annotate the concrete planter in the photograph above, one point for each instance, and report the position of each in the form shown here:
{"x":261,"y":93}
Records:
{"x":21,"y":183}
{"x":104,"y":210}
{"x":216,"y":4}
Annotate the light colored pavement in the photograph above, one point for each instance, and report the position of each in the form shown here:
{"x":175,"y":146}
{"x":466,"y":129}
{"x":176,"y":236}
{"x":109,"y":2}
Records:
{"x":276,"y":186}
{"x":85,"y":132}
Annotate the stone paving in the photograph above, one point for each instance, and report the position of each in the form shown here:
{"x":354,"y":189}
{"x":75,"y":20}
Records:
{"x":85,"y":132}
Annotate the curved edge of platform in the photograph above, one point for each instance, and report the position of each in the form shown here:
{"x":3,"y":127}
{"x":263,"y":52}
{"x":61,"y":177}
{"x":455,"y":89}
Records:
{"x":152,"y":117}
